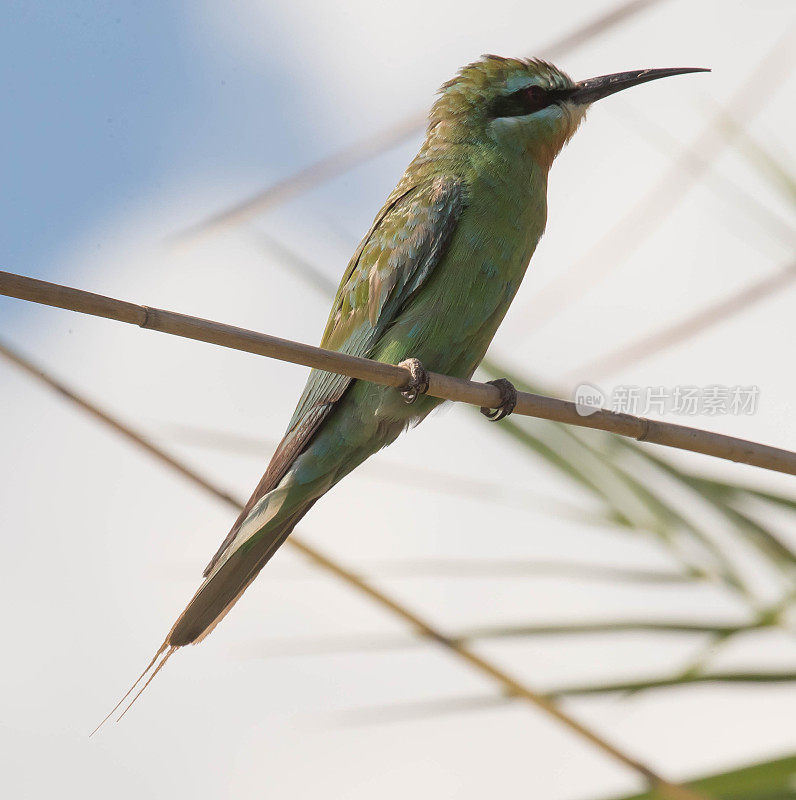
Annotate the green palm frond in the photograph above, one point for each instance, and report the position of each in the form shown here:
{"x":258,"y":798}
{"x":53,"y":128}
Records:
{"x":768,"y":780}
{"x":621,"y":459}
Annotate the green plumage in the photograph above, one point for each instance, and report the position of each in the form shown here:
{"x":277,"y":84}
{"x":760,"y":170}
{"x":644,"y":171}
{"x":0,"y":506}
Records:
{"x":432,"y":279}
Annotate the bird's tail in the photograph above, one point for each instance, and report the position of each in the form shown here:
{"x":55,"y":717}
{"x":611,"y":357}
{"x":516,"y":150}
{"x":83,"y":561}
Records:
{"x":220,"y":590}
{"x":225,"y":584}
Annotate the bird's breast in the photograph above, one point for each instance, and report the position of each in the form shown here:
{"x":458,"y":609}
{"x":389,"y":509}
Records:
{"x":452,"y":322}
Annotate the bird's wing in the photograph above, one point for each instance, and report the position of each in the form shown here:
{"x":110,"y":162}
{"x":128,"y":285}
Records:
{"x":406,"y":241}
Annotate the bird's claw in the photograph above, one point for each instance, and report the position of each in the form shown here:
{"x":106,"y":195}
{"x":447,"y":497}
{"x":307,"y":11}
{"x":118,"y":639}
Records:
{"x":417,"y":384}
{"x":508,"y":400}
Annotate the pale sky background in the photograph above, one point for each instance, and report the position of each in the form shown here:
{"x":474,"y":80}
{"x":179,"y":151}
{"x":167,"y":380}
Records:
{"x":126,"y":122}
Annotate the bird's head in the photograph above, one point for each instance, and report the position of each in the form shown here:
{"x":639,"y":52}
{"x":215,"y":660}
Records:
{"x":524,"y":104}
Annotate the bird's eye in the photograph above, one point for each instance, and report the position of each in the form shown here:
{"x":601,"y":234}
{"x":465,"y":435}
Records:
{"x":522,"y":102}
{"x":535,"y":98}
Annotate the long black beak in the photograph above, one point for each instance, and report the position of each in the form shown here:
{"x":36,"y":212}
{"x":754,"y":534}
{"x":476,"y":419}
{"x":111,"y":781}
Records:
{"x":596,"y":88}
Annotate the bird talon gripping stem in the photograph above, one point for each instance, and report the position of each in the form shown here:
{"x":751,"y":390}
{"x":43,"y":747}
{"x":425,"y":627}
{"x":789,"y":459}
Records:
{"x":508,"y":400}
{"x":418,"y":383}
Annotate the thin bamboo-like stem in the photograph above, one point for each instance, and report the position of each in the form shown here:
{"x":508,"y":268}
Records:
{"x":685,"y":328}
{"x":369,"y":147}
{"x":441,"y":386}
{"x":508,"y":683}
{"x":628,"y":234}
{"x":318,"y":280}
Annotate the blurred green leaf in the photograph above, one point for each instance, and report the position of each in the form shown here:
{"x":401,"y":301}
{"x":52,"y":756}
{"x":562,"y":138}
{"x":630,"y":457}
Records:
{"x":646,"y":684}
{"x":721,"y":497}
{"x":769,"y":780}
{"x":594,"y":446}
{"x":434,"y":707}
{"x":326,"y":645}
{"x":766,"y":163}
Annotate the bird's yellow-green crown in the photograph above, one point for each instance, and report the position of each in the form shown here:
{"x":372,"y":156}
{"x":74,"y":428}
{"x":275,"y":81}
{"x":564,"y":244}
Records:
{"x":518,"y":106}
{"x":469,"y":93}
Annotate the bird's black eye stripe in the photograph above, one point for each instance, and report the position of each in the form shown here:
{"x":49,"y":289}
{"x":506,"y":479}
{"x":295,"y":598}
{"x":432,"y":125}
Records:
{"x":522,"y":102}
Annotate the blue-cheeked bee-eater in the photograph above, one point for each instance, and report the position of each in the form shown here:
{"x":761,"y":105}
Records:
{"x":428,"y":286}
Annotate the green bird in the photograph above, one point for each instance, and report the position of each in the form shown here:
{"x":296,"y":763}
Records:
{"x":428,"y":286}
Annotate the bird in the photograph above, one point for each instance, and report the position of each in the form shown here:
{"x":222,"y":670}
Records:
{"x":426,"y":288}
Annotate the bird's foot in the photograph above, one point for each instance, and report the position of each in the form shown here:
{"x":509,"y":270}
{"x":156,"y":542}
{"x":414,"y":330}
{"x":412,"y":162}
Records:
{"x":417,"y":384}
{"x":508,"y":400}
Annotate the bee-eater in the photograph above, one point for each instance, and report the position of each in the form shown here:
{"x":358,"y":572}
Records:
{"x":428,"y":285}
